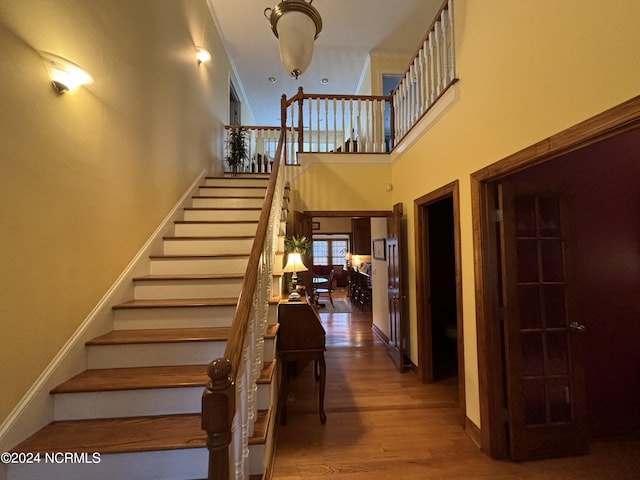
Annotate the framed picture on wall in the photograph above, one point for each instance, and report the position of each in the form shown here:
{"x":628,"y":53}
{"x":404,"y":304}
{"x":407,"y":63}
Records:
{"x":379,"y":249}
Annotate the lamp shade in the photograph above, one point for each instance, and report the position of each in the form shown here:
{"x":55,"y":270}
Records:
{"x":296,"y":24}
{"x":294,"y":264}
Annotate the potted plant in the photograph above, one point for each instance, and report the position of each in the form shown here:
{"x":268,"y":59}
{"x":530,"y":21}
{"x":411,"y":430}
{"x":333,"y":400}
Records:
{"x":237,"y":148}
{"x":297,"y":244}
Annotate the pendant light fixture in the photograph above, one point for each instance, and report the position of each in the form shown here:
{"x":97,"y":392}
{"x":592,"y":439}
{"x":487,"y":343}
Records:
{"x":296,"y":24}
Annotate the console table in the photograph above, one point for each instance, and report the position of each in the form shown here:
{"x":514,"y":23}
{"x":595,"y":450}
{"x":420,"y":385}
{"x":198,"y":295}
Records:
{"x":301,"y":337}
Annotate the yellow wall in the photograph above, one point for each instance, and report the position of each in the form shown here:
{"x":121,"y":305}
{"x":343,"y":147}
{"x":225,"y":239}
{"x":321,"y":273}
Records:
{"x":360,"y":184}
{"x":87,"y":176}
{"x":527,"y":69}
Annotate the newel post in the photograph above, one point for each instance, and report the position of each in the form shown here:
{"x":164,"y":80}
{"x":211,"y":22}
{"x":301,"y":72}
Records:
{"x":218,"y":408}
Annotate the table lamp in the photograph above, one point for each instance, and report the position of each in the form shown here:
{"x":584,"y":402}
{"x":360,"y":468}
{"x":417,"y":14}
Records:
{"x":294,"y":265}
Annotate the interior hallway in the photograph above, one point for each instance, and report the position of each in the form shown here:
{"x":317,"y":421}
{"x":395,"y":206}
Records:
{"x":385,"y":425}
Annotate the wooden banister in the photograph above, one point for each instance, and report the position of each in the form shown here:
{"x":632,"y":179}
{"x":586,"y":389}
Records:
{"x":219,"y":397}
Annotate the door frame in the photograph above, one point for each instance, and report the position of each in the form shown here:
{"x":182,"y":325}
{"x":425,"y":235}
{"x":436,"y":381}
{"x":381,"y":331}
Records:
{"x":491,"y":378}
{"x":425,"y":360}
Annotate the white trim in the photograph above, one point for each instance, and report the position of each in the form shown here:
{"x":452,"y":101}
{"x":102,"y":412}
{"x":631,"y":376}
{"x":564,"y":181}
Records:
{"x":363,"y":74}
{"x":35,"y":409}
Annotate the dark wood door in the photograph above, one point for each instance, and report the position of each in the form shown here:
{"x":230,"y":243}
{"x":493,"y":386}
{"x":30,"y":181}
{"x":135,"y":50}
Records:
{"x":394,"y":290}
{"x":361,"y":232}
{"x":543,"y":338}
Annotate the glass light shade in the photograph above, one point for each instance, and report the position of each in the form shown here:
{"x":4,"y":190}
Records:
{"x":296,"y":24}
{"x":64,"y":74}
{"x":294,"y":263}
{"x":296,"y":32}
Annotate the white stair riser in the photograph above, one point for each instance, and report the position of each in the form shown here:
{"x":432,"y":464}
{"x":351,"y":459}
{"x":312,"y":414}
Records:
{"x":173,"y":317}
{"x":269,"y":352}
{"x":227,"y":202}
{"x":181,"y":289}
{"x":265,"y":395}
{"x":239,"y":182}
{"x":127,"y":403}
{"x":230,"y":191}
{"x":256,"y":459}
{"x":207,"y":246}
{"x":184,"y":266}
{"x":221,"y":215}
{"x":215,"y":229}
{"x":159,"y":465}
{"x":154,"y":355}
{"x":272,"y":315}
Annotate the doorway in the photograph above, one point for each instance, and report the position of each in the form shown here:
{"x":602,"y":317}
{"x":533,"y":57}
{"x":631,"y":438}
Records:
{"x":593,"y":169}
{"x":442,"y":289}
{"x":235,"y":106}
{"x":440,"y":335}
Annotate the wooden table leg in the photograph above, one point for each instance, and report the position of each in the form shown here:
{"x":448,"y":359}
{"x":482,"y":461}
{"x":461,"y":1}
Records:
{"x":283,"y":389}
{"x":323,"y":378}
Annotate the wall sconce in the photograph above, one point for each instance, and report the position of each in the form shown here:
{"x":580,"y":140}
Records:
{"x":202,"y":55}
{"x":296,"y":24}
{"x":64,"y":74}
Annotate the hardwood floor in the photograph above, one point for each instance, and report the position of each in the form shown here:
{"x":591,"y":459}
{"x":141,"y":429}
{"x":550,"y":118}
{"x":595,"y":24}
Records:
{"x":385,"y":425}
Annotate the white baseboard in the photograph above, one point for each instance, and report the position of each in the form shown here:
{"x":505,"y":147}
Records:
{"x":35,"y":409}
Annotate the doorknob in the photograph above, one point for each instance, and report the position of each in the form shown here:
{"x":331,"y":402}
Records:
{"x":577,"y":327}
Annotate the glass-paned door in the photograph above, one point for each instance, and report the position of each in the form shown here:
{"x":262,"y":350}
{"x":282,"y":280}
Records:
{"x":545,"y":381}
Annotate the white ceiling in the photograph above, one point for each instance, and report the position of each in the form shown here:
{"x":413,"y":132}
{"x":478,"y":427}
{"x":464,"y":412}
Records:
{"x":351,"y":30}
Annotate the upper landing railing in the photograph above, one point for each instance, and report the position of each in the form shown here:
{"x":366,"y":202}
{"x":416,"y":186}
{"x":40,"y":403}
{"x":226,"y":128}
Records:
{"x":363,"y":123}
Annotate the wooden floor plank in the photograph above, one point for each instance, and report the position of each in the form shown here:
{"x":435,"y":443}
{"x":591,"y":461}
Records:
{"x":382,"y":424}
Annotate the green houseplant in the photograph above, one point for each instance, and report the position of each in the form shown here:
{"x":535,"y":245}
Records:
{"x":297,"y":244}
{"x":237,"y":148}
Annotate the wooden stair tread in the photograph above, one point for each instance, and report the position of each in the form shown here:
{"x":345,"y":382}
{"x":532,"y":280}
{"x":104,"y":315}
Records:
{"x":178,"y":302}
{"x":235,"y":197}
{"x":261,"y":187}
{"x":198,"y":255}
{"x":260,"y":428}
{"x":272,"y":331}
{"x":267,"y":372}
{"x":241,"y":175}
{"x":136,"y":378}
{"x":118,"y":435}
{"x":198,"y":209}
{"x":214,"y":222}
{"x":208,"y":237}
{"x":162,"y":335}
{"x":194,"y":276}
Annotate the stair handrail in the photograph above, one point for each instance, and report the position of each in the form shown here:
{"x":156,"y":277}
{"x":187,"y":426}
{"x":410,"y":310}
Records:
{"x":227,"y":416}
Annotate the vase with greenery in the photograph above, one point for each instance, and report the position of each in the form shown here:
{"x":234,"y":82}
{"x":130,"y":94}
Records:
{"x":237,"y":148}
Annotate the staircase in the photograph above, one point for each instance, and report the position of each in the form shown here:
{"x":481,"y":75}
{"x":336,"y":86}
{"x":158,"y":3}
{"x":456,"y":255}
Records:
{"x":135,"y":412}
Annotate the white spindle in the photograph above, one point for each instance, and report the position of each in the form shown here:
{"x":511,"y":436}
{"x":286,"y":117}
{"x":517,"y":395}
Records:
{"x":310,"y":140}
{"x":344,"y":113}
{"x":335,"y":129}
{"x":432,"y":67}
{"x":451,"y":42}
